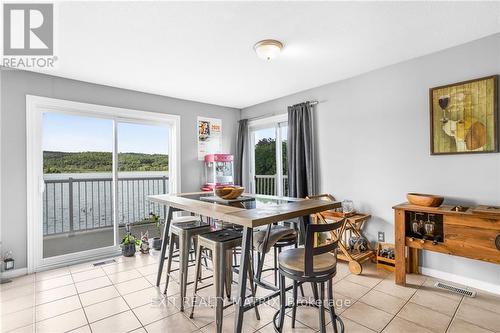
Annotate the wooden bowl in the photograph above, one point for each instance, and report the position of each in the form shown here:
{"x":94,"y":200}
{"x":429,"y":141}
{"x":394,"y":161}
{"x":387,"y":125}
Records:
{"x":236,"y":192}
{"x":228,"y":192}
{"x":426,"y":200}
{"x":223,"y":191}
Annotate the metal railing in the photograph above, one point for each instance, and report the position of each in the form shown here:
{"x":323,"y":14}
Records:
{"x":82,"y":204}
{"x":266,"y":184}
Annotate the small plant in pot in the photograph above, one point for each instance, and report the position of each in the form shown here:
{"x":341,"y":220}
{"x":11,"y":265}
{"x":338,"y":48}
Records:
{"x":153,"y":218}
{"x":128,"y":244}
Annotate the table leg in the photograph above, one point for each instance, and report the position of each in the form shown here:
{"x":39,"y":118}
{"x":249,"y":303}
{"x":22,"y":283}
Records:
{"x":184,"y":247}
{"x":399,"y":251}
{"x":246,"y":247}
{"x":164,"y":244}
{"x":413,"y":260}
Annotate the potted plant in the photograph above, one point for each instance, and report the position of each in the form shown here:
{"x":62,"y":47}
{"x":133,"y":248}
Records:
{"x":128,"y":244}
{"x":153,"y":218}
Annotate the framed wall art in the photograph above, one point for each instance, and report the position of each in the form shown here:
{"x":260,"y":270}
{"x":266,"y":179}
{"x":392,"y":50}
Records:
{"x":209,"y":136}
{"x":463,"y":117}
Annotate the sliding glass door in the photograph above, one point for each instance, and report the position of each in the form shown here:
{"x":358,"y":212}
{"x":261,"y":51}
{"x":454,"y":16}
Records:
{"x":143,"y":153}
{"x":268,"y":144}
{"x":77,"y":173}
{"x":90,"y":170}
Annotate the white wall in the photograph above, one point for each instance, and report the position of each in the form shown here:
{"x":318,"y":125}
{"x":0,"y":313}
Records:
{"x":15,"y":85}
{"x":373,"y":143}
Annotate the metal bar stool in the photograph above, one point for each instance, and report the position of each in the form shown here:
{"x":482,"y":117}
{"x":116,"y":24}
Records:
{"x":221,"y":243}
{"x":186,"y":234}
{"x":316,"y":265}
{"x":169,"y":219}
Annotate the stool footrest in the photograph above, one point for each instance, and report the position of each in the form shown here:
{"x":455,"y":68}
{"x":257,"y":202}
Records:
{"x":314,"y":305}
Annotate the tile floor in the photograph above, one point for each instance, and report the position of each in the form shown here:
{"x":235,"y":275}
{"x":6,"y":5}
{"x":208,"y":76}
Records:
{"x":121,"y":297}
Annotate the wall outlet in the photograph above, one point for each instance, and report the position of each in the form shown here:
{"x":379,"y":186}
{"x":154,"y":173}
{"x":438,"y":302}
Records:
{"x":381,"y":236}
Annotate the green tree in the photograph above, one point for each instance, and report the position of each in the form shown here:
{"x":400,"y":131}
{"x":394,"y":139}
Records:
{"x":90,"y":161}
{"x":265,"y":157}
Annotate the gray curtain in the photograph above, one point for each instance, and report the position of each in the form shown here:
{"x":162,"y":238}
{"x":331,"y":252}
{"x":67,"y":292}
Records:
{"x":302,"y":179}
{"x":240,"y":151}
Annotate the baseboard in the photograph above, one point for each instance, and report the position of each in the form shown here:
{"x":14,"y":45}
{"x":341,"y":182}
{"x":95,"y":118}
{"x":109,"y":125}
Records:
{"x":477,"y":284}
{"x":14,"y":273}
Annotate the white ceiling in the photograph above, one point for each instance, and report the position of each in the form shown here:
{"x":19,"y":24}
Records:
{"x":203,"y":51}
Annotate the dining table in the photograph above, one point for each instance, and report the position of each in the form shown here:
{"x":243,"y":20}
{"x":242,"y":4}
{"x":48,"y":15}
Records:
{"x":259,"y":211}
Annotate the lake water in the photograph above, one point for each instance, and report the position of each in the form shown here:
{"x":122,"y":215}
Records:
{"x":90,"y":203}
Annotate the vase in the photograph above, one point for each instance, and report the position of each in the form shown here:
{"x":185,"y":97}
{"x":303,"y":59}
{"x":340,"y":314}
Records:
{"x":128,"y":250}
{"x":156,"y":243}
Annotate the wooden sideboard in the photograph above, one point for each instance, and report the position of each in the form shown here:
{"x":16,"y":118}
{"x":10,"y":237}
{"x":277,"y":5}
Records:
{"x":470,"y":232}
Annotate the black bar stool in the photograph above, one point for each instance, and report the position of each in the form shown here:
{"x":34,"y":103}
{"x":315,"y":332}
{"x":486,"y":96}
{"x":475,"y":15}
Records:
{"x":316,"y":265}
{"x":221,"y":243}
{"x":276,"y":237}
{"x":186,"y":234}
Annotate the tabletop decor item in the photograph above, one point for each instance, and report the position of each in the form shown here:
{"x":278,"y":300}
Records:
{"x":144,"y":243}
{"x":426,"y":200}
{"x":228,"y":192}
{"x":347,"y":207}
{"x":8,"y":261}
{"x":156,"y":243}
{"x":128,"y":244}
{"x":463,"y":117}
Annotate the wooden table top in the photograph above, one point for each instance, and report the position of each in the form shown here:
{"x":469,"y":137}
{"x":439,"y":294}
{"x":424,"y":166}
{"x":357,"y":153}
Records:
{"x":474,"y":210}
{"x":266,"y":209}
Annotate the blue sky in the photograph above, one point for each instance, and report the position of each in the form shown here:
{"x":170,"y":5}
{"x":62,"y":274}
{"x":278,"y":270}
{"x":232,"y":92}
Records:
{"x":269,"y":133}
{"x":75,"y":133}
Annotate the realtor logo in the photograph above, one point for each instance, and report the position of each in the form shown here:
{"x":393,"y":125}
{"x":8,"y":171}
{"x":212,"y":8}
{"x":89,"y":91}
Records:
{"x":28,"y":29}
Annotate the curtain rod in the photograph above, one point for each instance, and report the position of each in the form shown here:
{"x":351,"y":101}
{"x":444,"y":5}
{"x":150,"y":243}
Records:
{"x":275,"y":114}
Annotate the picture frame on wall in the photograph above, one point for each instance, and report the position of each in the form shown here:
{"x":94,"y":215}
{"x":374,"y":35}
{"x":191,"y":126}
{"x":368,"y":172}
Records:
{"x":209,"y":136}
{"x":464,"y":117}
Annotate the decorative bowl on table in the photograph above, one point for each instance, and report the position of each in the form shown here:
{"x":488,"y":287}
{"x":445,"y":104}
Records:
{"x":228,"y":192}
{"x":426,"y":200}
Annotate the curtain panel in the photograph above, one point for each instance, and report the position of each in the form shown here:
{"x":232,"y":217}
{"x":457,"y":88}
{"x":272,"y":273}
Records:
{"x":301,"y":157}
{"x":241,"y":143}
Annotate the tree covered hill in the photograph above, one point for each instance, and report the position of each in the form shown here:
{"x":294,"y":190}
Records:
{"x":91,"y":161}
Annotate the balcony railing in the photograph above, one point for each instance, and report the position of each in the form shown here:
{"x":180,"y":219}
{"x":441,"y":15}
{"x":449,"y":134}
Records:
{"x":82,"y":204}
{"x":266,"y":184}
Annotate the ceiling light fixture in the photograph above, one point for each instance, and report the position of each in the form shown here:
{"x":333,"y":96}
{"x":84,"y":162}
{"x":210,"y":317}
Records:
{"x":268,"y":48}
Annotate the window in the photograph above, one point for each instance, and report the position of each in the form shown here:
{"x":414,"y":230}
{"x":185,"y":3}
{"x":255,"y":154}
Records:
{"x":268,"y":156}
{"x":90,"y":169}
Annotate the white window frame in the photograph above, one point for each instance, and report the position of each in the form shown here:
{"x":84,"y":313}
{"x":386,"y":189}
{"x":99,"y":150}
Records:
{"x":275,"y":122}
{"x":36,"y":106}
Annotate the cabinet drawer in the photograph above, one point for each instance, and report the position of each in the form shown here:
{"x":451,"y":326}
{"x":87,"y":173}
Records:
{"x":473,"y":221}
{"x":472,"y":242}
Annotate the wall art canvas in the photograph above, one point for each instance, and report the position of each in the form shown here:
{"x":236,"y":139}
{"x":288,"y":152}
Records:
{"x":209,"y":136}
{"x":464,"y":117}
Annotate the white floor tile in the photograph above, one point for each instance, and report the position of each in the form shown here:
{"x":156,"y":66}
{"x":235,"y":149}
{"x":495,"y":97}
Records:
{"x":120,"y":323}
{"x":105,"y":309}
{"x":55,"y":294}
{"x":88,"y":275}
{"x":52,"y":309}
{"x":93,"y":284}
{"x":62,"y":323}
{"x":132,"y":285}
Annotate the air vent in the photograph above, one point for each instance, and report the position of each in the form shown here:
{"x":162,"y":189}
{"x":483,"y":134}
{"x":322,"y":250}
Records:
{"x":456,"y":290}
{"x":105,"y":262}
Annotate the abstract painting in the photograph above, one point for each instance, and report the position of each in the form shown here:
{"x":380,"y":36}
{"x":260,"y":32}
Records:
{"x":464,"y":117}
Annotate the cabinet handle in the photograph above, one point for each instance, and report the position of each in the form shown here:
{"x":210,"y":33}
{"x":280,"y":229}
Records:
{"x":497,"y":242}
